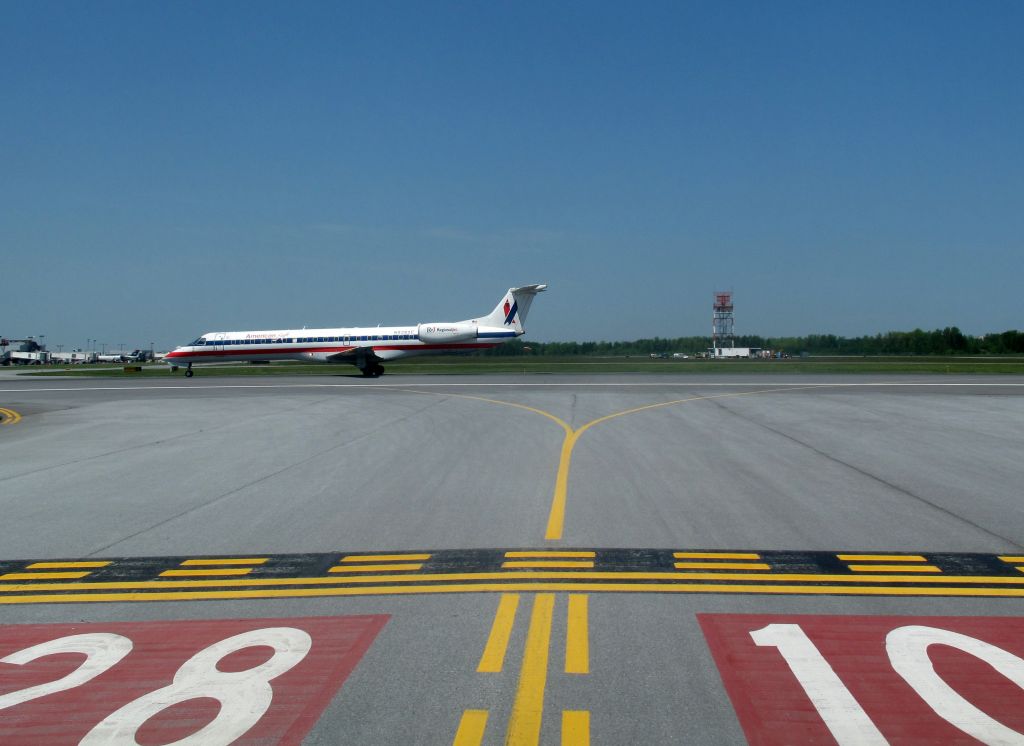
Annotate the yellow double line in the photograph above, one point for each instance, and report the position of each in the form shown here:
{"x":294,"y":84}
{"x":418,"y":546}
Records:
{"x":527,"y":710}
{"x":9,"y":416}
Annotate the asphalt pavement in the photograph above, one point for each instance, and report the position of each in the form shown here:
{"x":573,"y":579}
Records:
{"x":818,"y":480}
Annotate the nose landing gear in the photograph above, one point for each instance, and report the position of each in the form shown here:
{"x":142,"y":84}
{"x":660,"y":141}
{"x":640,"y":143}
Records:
{"x":188,"y":371}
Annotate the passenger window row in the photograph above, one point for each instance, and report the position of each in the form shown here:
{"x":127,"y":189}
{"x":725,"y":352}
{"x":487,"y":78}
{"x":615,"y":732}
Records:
{"x":302,"y":340}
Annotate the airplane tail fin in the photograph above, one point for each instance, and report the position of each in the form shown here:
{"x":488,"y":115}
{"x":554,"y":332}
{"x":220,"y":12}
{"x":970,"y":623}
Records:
{"x":510,"y":313}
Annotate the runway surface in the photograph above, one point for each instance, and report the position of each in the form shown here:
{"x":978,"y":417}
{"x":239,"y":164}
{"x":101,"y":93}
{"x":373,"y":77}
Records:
{"x":533,"y":552}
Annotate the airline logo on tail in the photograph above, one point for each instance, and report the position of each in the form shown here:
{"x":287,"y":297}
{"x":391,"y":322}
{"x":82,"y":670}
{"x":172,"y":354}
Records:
{"x":510,"y":312}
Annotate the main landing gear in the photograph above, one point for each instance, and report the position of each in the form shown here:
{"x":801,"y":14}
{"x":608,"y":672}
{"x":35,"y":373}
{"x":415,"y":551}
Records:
{"x":373,"y":370}
{"x":188,"y":371}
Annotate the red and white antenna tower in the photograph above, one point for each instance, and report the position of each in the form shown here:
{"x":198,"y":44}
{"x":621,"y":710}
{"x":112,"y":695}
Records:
{"x":722,"y":320}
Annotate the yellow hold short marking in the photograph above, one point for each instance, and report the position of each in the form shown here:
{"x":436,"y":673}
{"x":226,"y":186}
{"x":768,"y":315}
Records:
{"x":552,"y":554}
{"x":43,"y":575}
{"x":64,"y":565}
{"x":386,"y":558}
{"x":582,"y":564}
{"x":894,"y":568}
{"x":881,"y":558}
{"x":783,"y":590}
{"x":602,"y":580}
{"x":722,"y":566}
{"x":717,"y":555}
{"x":214,"y":562}
{"x":206,"y":573}
{"x":376,"y":568}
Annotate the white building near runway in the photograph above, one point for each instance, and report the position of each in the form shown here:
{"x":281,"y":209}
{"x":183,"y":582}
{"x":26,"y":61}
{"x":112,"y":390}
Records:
{"x":743,"y":352}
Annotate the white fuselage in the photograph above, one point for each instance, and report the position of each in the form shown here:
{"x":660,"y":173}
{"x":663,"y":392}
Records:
{"x":364,"y":347}
{"x":329,"y":345}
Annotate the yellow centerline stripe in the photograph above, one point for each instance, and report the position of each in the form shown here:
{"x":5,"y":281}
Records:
{"x":493,"y":658}
{"x":471,"y":728}
{"x":43,"y":575}
{"x":806,"y":590}
{"x":577,"y":636}
{"x":1012,"y":559}
{"x":242,"y":561}
{"x":550,"y":563}
{"x":386,"y":558}
{"x":376,"y":568}
{"x":206,"y":573}
{"x":528,"y":707}
{"x":894,"y":568}
{"x":676,"y":578}
{"x":553,"y":554}
{"x":64,"y":565}
{"x":722,"y":565}
{"x":556,"y":514}
{"x":881,"y":558}
{"x":717,"y":555}
{"x":575,"y":728}
{"x":9,"y":416}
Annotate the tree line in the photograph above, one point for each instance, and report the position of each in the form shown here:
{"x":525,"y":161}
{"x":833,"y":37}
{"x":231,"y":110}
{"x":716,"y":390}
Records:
{"x":948,"y":341}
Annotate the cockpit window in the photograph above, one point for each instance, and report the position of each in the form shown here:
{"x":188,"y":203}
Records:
{"x":198,"y":343}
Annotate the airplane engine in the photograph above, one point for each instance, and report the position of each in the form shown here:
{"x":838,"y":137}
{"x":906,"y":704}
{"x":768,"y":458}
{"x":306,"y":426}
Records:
{"x":442,"y":332}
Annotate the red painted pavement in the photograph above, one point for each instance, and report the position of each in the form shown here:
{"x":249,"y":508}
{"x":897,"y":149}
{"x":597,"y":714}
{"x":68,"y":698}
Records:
{"x":774,"y":709}
{"x":159,"y":649}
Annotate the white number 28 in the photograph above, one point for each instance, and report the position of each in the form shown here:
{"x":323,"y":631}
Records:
{"x":244,"y":696}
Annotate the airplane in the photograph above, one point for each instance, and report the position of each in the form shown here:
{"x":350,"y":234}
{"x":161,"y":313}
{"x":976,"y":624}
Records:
{"x":364,"y":347}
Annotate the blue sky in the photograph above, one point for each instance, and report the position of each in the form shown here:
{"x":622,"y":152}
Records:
{"x":174,"y":168}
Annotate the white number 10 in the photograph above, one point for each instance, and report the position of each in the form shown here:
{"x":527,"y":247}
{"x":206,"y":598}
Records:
{"x":907,"y":648}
